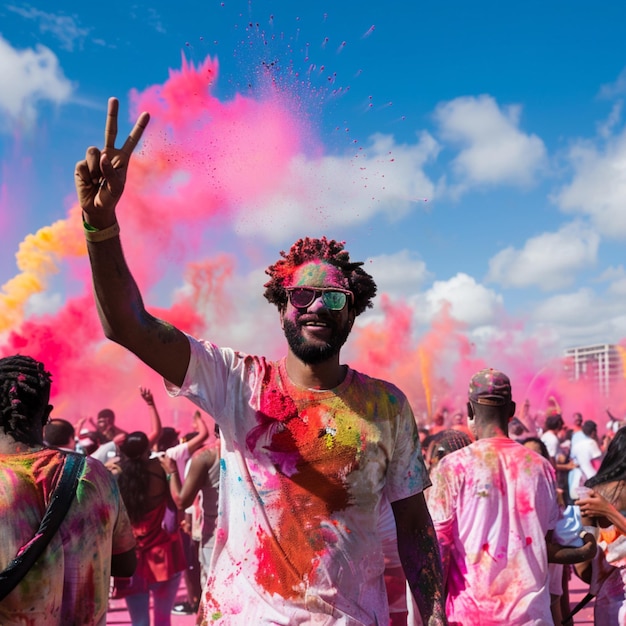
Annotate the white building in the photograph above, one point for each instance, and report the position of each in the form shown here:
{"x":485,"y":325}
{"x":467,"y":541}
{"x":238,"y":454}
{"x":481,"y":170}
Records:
{"x":602,"y":363}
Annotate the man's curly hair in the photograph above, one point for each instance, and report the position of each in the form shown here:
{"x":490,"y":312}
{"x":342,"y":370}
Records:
{"x":24,"y":388}
{"x":330,"y":251}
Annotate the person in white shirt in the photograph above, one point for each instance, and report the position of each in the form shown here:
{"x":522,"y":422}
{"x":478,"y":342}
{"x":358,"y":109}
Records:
{"x":309,"y":445}
{"x":587,"y":456}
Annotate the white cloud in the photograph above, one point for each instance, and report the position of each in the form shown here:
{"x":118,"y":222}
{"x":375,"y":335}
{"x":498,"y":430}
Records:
{"x":493,"y":149}
{"x":63,"y":27}
{"x":616,"y":88}
{"x":583,"y":317}
{"x":548,"y":261}
{"x":606,"y":127}
{"x":383,"y":178}
{"x":617,"y":278}
{"x":470,"y":302}
{"x":28,"y":78}
{"x":399,"y":275}
{"x":598,"y":188}
{"x":613,"y":273}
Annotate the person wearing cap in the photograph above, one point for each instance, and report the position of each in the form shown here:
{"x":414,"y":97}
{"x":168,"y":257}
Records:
{"x":494,"y":506}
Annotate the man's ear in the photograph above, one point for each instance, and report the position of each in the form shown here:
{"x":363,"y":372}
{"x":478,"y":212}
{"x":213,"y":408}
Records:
{"x":471,"y":423}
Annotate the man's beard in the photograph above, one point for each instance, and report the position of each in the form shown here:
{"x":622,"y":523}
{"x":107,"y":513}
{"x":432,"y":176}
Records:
{"x":310,"y":353}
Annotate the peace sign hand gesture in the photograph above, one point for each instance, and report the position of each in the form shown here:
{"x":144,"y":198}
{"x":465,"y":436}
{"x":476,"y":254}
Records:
{"x":101,"y":176}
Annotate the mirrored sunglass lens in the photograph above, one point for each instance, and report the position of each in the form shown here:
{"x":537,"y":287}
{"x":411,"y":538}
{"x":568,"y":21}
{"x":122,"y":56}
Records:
{"x":301,"y":298}
{"x":334,"y":300}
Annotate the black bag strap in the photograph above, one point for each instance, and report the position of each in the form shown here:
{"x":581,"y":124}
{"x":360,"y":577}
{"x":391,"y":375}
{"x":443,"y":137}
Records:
{"x":57,"y":508}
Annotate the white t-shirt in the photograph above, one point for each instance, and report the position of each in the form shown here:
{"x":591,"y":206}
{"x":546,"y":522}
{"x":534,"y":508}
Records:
{"x":584,"y":451}
{"x":180,"y":454}
{"x":302,"y":475}
{"x":551,"y":442}
{"x":492,"y":504}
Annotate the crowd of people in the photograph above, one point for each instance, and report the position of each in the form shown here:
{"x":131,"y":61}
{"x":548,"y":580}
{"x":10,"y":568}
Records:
{"x":320,"y":501}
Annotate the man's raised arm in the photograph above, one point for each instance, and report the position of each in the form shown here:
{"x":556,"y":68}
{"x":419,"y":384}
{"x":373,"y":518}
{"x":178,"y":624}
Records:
{"x":100,"y":180}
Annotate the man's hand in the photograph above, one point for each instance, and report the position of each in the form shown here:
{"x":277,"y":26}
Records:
{"x":101,"y":176}
{"x":146,"y":394}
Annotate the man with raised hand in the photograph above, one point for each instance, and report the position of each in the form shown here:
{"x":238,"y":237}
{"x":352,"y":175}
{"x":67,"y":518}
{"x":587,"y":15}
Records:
{"x":309,"y":445}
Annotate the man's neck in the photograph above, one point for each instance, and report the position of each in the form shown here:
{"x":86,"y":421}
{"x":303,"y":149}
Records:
{"x":326,"y":375}
{"x":487,"y":431}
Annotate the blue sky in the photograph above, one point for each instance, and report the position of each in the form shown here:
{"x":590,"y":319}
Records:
{"x":503,"y":121}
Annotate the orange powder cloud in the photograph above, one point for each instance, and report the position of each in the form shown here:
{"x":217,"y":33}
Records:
{"x":38,"y":257}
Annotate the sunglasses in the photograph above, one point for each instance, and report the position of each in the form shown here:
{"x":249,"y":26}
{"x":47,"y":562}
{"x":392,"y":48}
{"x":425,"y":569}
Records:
{"x":332,"y":297}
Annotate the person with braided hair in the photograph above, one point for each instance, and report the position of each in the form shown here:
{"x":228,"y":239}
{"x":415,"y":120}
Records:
{"x":309,"y":445}
{"x":69,"y":582}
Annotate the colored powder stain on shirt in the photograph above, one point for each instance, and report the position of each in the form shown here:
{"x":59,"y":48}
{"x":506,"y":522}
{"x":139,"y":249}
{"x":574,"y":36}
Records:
{"x":273,"y":573}
{"x":211,"y":606}
{"x":309,"y":470}
{"x":311,"y":494}
{"x":524,"y":505}
{"x":297,"y":439}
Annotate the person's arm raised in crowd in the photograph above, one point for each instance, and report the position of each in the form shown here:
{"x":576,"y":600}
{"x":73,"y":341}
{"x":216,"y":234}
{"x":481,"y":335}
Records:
{"x":419,"y":555}
{"x":155,"y":418}
{"x":78,"y":427}
{"x":199,"y":426}
{"x":197,"y":474}
{"x":100,"y":180}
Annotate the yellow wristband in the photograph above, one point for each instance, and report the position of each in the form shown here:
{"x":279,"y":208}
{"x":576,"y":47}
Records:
{"x":101,"y":235}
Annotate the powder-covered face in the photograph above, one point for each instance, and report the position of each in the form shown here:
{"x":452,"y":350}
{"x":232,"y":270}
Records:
{"x":316,"y":334}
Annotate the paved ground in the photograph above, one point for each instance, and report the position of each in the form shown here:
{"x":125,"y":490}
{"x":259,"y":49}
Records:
{"x":118,"y":614}
{"x":578,"y":590}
